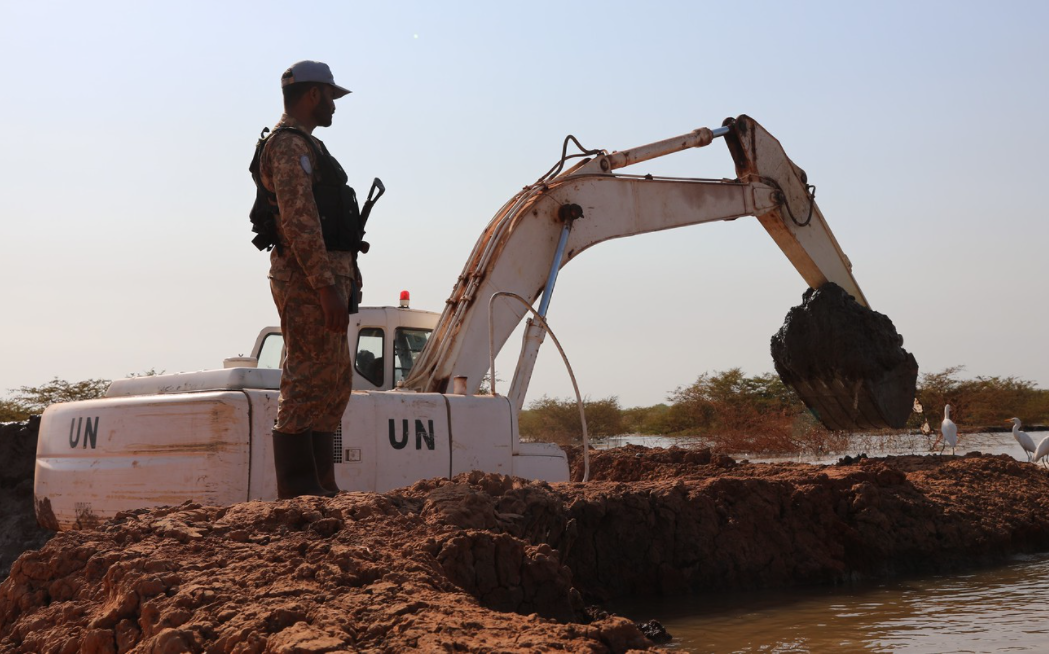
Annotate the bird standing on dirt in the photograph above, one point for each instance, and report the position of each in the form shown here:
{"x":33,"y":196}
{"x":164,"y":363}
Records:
{"x":1025,"y":441}
{"x":949,"y":430}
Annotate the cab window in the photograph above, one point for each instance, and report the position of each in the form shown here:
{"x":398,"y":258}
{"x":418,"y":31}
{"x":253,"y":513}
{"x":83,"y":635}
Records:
{"x":368,"y":361}
{"x":407,"y":344}
{"x":271,"y":352}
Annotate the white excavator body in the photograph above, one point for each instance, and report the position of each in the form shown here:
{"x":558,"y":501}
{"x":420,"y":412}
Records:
{"x":415,"y":412}
{"x":204,"y":436}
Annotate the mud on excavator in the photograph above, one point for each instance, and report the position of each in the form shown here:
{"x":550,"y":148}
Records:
{"x":415,"y":412}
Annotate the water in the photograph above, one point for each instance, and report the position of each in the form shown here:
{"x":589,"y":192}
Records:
{"x":999,"y":609}
{"x":871,"y":444}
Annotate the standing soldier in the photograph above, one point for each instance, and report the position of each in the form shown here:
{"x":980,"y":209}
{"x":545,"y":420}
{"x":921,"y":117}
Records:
{"x":307,"y":214}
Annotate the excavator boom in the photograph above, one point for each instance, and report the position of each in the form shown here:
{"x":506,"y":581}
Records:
{"x":551,"y":222}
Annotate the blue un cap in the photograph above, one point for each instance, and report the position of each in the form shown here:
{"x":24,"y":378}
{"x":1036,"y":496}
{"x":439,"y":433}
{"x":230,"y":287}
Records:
{"x":311,"y":71}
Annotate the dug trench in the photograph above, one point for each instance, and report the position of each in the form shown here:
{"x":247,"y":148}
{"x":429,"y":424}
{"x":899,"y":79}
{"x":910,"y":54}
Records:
{"x":484,"y":562}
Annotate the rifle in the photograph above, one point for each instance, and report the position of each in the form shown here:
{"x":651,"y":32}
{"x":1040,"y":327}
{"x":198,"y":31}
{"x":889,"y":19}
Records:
{"x":367,"y":210}
{"x":355,"y":293}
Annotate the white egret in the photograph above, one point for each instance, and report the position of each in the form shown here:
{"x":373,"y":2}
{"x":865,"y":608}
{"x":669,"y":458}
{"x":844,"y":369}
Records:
{"x":949,"y":430}
{"x":1025,"y":441}
{"x":1041,"y":452}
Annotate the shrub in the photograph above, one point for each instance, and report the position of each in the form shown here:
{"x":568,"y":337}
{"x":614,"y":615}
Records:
{"x":558,"y":420}
{"x":979,"y":402}
{"x":34,"y":399}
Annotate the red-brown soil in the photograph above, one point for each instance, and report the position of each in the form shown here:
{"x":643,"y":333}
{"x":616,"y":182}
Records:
{"x":426,"y":569}
{"x":692,"y":521}
{"x":489,"y":563}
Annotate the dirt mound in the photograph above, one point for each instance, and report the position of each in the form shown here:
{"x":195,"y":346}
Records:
{"x":486,"y":562}
{"x":637,"y":463}
{"x":846,"y":362}
{"x":676,"y":521}
{"x":18,"y":528}
{"x":427,"y":569}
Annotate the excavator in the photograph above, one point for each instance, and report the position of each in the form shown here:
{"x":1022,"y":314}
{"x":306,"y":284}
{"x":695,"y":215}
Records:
{"x":416,"y":411}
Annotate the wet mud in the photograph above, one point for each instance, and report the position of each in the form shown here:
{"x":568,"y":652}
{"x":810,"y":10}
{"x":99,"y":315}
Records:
{"x":846,"y":362}
{"x":484,"y":562}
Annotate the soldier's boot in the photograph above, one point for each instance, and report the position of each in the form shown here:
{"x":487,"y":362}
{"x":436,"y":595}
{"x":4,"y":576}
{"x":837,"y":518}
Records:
{"x":296,"y":469}
{"x":324,"y":456}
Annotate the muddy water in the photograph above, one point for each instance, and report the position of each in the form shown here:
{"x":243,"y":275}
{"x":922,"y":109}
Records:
{"x":1004,"y":608}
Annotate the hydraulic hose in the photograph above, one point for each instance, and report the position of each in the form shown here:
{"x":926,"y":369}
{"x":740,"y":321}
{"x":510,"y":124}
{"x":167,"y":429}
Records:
{"x":575,"y":386}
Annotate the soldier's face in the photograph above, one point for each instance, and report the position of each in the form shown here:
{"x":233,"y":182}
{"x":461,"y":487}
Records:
{"x":325,"y":107}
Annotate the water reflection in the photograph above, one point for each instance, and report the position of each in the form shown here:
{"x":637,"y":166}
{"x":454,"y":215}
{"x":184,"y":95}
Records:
{"x":1000,"y":609}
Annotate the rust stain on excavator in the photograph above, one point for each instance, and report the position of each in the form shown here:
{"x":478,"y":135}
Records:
{"x":207,"y":447}
{"x":171,"y":499}
{"x":222,"y":421}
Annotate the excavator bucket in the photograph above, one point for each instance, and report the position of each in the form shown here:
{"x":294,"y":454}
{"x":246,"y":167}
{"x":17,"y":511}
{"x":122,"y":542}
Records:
{"x":846,"y":362}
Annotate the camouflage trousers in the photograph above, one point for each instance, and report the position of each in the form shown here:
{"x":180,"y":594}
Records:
{"x":317,"y":369}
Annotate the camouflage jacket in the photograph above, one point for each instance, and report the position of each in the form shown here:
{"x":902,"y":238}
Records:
{"x":289,"y":169}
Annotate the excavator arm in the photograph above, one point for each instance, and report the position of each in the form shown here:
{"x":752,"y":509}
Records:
{"x":551,"y":222}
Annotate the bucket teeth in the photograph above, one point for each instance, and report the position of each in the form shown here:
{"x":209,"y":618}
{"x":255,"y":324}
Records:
{"x":845,"y":404}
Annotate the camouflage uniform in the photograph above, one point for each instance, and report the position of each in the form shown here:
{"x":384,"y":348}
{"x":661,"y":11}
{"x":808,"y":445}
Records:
{"x":317,"y":371}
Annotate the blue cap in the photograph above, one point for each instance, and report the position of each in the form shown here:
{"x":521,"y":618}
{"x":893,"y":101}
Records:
{"x":311,"y":71}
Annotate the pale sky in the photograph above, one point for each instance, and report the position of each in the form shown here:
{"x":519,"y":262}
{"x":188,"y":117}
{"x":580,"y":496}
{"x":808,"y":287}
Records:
{"x":125,"y":242}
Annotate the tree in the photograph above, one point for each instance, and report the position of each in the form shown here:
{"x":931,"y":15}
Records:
{"x":651,"y":420}
{"x":711,"y":399}
{"x":744,"y":414}
{"x":13,"y":411}
{"x":980,"y":402}
{"x":34,"y":399}
{"x":558,"y":419}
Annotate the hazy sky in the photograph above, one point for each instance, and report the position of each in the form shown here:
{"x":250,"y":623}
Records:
{"x":129,"y":128}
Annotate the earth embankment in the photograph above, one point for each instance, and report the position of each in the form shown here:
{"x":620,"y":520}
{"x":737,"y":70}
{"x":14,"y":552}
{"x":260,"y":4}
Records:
{"x":672,"y":521}
{"x":488,"y":563}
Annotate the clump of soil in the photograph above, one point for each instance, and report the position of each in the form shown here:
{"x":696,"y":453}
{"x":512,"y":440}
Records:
{"x":846,"y":362}
{"x":19,"y":530}
{"x":638,"y":463}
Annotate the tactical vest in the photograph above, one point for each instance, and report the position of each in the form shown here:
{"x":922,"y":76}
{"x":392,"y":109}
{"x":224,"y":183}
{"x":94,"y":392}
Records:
{"x":341,"y":223}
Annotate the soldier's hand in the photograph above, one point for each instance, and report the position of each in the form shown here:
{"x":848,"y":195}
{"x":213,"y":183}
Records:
{"x":336,"y":311}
